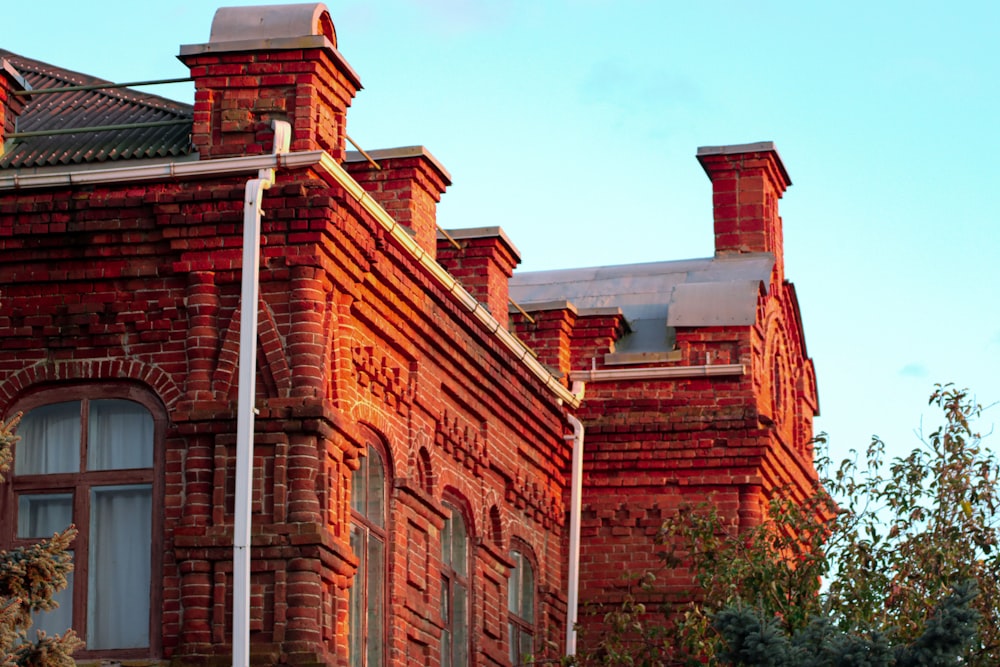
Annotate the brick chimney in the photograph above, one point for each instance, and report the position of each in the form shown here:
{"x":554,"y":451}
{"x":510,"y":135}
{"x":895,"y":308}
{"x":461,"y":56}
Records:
{"x":747,"y":182}
{"x":483,"y":262}
{"x":408,"y":184}
{"x":10,"y":105}
{"x":274,"y":62}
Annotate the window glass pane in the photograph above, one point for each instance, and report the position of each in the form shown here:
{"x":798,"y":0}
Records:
{"x":120,"y":435}
{"x":527,"y":609}
{"x":460,"y":626}
{"x":359,"y":488}
{"x":445,"y":602}
{"x":43,"y":515}
{"x":514,"y":584}
{"x":513,"y":642}
{"x":454,"y":550}
{"x":446,"y":648}
{"x":526,"y":647}
{"x":60,"y":619}
{"x":50,"y":440}
{"x":460,"y":547}
{"x":356,"y":598}
{"x":446,"y":539}
{"x":376,"y":489}
{"x":118,"y":576}
{"x":376,"y":601}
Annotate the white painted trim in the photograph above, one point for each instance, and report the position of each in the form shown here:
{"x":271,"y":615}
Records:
{"x":658,"y":373}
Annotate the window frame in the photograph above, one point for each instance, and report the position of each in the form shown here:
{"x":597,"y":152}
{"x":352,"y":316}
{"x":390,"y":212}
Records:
{"x":370,"y":530}
{"x":80,"y":485}
{"x":450,"y":578}
{"x":517,"y":623}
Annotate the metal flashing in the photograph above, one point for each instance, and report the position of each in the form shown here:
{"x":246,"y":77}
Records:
{"x":7,"y":68}
{"x":630,"y":358}
{"x":538,"y":306}
{"x":739,"y":149}
{"x":399,"y":152}
{"x":643,"y":292}
{"x":481,"y":233}
{"x":736,"y":149}
{"x":729,"y":303}
{"x":269,"y":22}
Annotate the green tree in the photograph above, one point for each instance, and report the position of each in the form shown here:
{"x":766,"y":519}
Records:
{"x":29,"y":577}
{"x":910,"y":553}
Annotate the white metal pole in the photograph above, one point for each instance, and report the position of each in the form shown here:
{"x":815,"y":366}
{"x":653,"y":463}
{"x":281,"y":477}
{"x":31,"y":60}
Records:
{"x":245,"y":410}
{"x":575,"y":508}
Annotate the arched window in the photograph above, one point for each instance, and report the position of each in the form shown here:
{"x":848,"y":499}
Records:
{"x":93,"y":461}
{"x":368,"y":540}
{"x":455,"y":590}
{"x":521,"y":609}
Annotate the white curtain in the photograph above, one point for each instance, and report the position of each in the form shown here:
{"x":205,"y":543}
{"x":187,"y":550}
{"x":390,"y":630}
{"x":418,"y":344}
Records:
{"x":50,"y":440}
{"x":42,"y":515}
{"x":120,"y":436}
{"x":119,"y":572}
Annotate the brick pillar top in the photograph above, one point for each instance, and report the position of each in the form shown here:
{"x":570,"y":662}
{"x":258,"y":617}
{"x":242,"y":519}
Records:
{"x":747,"y":182}
{"x":10,"y":105}
{"x":408,"y":183}
{"x":483,"y":263}
{"x":275,"y":62}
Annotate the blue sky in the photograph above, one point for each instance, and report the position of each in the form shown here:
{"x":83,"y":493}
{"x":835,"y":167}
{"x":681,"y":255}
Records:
{"x":573,"y":124}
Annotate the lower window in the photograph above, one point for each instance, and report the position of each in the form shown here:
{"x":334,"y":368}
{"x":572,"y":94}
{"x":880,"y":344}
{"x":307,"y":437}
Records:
{"x":521,"y":609}
{"x":455,"y":590}
{"x":90,"y":462}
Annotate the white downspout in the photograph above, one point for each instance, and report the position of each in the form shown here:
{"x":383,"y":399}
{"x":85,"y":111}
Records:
{"x":245,"y":410}
{"x":575,"y":509}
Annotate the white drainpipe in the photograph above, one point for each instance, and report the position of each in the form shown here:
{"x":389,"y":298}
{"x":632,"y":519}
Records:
{"x":575,"y":508}
{"x":245,"y":409}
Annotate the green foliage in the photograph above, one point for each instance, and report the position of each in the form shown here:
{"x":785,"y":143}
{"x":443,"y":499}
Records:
{"x":916,"y":527}
{"x":750,"y":638}
{"x":910,"y":553}
{"x":29,"y":577}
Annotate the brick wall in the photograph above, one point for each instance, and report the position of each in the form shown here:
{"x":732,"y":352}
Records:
{"x":141,"y":284}
{"x":360,"y":349}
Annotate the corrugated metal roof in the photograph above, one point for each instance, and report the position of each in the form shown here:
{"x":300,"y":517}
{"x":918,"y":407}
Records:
{"x":87,"y":108}
{"x":656,"y":296}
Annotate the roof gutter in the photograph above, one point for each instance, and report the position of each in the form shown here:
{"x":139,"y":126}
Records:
{"x":231,"y":166}
{"x":322,"y":159}
{"x":659,"y":373}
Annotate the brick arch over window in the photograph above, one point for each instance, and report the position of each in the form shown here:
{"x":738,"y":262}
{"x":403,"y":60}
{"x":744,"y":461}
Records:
{"x":109,"y":370}
{"x":425,"y":470}
{"x":778,"y":372}
{"x":496,"y":526}
{"x":369,"y":418}
{"x":372,"y":436}
{"x":806,"y":405}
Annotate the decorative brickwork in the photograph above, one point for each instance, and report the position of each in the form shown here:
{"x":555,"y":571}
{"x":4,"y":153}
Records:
{"x":375,"y":336}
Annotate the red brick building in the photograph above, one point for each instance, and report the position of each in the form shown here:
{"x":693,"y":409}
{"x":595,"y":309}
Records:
{"x":411,"y":486}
